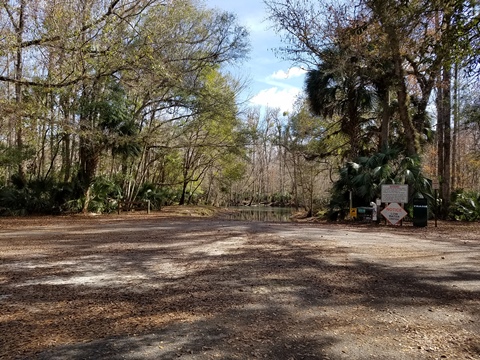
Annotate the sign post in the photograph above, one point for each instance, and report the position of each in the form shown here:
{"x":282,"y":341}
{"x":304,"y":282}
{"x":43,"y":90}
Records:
{"x":436,"y":186}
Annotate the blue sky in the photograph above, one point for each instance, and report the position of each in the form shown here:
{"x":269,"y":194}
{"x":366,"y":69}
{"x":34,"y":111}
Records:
{"x":273,"y":82}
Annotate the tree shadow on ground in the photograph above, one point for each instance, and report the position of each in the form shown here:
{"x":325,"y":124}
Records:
{"x":206,"y":290}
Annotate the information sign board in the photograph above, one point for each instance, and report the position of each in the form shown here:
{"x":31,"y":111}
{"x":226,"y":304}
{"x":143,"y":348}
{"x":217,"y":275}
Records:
{"x":394,"y":213}
{"x":395,"y":194}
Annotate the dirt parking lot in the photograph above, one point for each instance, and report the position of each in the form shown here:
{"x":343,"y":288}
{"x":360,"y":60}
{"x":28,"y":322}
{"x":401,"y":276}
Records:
{"x":158,"y":286}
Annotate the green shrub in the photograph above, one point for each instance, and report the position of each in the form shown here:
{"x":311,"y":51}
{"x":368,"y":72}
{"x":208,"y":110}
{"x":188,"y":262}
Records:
{"x":105,"y":194}
{"x":465,"y":206}
{"x":365,"y":176}
{"x":156,"y":194}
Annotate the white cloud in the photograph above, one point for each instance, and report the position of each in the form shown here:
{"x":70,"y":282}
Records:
{"x":277,"y":98}
{"x":291,"y":73}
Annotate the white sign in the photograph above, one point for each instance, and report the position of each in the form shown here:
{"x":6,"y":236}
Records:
{"x":394,"y":213}
{"x":395,"y":194}
{"x":435,"y":184}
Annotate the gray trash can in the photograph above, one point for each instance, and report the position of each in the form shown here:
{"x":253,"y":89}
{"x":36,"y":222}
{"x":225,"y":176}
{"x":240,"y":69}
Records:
{"x":420,"y":212}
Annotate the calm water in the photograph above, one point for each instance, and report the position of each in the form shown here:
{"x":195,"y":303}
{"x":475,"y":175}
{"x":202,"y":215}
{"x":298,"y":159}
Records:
{"x":260,"y":213}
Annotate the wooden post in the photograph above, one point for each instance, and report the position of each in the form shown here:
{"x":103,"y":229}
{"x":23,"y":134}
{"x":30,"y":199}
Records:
{"x":403,"y":207}
{"x":436,"y":186}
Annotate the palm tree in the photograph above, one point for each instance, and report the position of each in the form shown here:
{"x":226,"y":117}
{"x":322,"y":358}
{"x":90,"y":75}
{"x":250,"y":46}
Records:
{"x":338,"y":89}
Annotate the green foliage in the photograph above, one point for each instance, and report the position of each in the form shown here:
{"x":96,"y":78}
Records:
{"x":313,"y":136}
{"x":105,"y":195}
{"x":112,"y":113}
{"x":11,"y":200}
{"x":279,"y":199}
{"x":342,"y":93}
{"x":365,"y":177}
{"x":12,"y":156}
{"x":48,"y":197}
{"x":157,"y":195}
{"x":465,"y":206}
{"x":36,"y":197}
{"x":150,"y":82}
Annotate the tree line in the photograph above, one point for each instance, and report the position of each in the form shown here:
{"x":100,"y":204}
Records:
{"x":109,"y":101}
{"x":393,"y":78}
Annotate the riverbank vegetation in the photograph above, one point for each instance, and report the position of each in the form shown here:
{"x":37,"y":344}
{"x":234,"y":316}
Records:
{"x":114,"y":101}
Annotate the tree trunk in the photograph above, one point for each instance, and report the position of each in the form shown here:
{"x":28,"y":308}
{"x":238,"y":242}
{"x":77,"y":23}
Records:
{"x":295,"y":180}
{"x":184,"y":191}
{"x":19,"y":29}
{"x":444,"y":107}
{"x":408,"y":128}
{"x":455,"y":127}
{"x":89,"y":158}
{"x":447,"y":110}
{"x":87,"y":201}
{"x":412,"y":145}
{"x":440,"y":135}
{"x":385,"y":125}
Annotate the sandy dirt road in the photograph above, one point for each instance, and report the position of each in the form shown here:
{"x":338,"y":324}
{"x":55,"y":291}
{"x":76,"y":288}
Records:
{"x":165,"y":287}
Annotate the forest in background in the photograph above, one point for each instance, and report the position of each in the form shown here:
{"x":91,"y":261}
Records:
{"x":110,"y":101}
